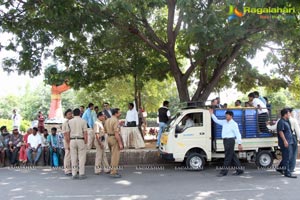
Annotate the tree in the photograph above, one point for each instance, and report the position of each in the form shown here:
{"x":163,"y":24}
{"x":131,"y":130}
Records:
{"x":120,"y":91}
{"x":87,"y":34}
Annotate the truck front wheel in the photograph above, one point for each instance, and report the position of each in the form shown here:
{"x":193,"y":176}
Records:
{"x":195,"y":161}
{"x":264,"y":159}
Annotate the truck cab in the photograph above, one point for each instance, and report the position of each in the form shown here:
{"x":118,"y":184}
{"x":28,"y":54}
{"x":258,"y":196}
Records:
{"x":200,"y":141}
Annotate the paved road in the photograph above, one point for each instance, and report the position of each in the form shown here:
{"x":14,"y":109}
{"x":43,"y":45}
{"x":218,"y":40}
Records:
{"x":138,"y":183}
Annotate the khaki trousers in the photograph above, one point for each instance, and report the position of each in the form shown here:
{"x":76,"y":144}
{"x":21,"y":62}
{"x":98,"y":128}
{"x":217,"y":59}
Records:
{"x":101,"y":162}
{"x":67,"y":159}
{"x":91,"y":138}
{"x":78,"y":153}
{"x":115,"y":154}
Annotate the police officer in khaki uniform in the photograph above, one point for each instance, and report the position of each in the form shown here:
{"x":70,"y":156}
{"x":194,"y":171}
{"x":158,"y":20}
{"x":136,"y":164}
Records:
{"x":101,"y":162}
{"x":78,"y":140}
{"x":115,"y":144}
{"x":67,"y":158}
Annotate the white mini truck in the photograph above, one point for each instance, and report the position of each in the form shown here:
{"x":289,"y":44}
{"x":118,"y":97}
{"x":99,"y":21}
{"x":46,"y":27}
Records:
{"x":203,"y":143}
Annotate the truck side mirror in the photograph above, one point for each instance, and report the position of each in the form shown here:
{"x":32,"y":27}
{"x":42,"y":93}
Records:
{"x":177,"y":130}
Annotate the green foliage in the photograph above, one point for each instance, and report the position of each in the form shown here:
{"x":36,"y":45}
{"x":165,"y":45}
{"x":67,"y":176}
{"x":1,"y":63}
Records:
{"x":8,"y":123}
{"x":53,"y":76}
{"x":7,"y":104}
{"x":120,"y":91}
{"x":99,"y":40}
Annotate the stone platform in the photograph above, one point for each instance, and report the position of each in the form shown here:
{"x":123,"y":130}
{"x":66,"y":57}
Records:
{"x":146,"y":156}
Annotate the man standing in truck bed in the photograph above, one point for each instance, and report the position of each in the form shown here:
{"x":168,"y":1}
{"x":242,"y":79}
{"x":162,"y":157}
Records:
{"x":230,"y":132}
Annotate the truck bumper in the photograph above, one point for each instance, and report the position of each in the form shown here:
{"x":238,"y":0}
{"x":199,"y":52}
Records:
{"x":166,"y":156}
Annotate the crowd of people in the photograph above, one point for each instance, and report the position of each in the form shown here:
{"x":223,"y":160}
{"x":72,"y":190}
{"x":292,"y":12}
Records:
{"x":85,"y":128}
{"x":66,"y":146}
{"x":254,"y":100}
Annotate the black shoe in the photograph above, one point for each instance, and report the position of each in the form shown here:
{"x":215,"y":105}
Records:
{"x":280,"y":171}
{"x":290,"y":176}
{"x":237,"y":173}
{"x":115,"y":175}
{"x":68,"y":174}
{"x":221,"y":175}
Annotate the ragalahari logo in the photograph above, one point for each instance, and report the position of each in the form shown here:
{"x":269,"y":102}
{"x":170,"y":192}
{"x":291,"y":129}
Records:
{"x":234,"y":13}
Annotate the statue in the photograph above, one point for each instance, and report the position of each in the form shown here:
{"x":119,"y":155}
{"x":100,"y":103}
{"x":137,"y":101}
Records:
{"x":55,"y":106}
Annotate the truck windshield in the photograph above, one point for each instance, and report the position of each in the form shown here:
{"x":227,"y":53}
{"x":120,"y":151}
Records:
{"x":172,"y":122}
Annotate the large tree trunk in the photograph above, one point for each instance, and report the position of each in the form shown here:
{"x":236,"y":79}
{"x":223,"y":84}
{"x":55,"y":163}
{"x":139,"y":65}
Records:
{"x":181,"y":81}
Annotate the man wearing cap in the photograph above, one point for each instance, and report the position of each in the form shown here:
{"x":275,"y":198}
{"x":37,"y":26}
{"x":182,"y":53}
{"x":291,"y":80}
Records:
{"x":100,"y":143}
{"x":77,"y":129}
{"x":230,"y":132}
{"x":4,"y":139}
{"x":34,"y":145}
{"x":14,"y":145}
{"x":111,"y":127}
{"x":67,"y":157}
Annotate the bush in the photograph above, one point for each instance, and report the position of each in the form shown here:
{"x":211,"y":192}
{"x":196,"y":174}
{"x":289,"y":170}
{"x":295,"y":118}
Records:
{"x":8,"y":123}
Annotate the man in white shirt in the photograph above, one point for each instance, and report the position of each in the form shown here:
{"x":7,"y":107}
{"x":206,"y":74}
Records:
{"x":188,"y":122}
{"x":262,"y":112}
{"x":34,"y":145}
{"x":132,"y":118}
{"x":16,"y":118}
{"x":256,"y":95}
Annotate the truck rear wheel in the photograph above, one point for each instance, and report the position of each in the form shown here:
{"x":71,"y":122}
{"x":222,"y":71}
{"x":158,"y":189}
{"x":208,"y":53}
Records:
{"x":195,"y":162}
{"x":264,"y":159}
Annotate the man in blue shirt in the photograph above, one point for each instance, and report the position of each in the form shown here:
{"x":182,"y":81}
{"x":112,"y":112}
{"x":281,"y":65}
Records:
{"x":88,"y":115}
{"x":285,"y":142}
{"x":230,"y":132}
{"x":54,"y":142}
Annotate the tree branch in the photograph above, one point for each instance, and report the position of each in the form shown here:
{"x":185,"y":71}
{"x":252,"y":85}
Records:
{"x":178,"y":25}
{"x":153,"y":34}
{"x":171,"y":14}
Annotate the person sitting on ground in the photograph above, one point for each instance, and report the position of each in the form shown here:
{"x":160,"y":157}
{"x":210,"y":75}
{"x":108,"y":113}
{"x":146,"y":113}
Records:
{"x":4,"y":139}
{"x":45,"y":147}
{"x":34,"y":145}
{"x":23,"y":149}
{"x":14,"y":144}
{"x":54,"y":147}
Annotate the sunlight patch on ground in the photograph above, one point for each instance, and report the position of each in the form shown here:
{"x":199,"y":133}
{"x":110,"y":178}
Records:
{"x":134,"y":197}
{"x":123,"y":182}
{"x":16,"y":189}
